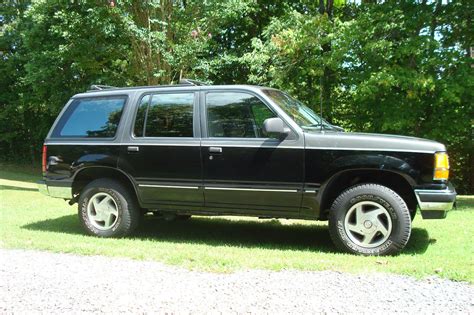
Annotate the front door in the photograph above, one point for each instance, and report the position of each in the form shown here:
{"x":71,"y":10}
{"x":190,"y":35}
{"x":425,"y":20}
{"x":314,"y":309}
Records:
{"x":245,"y":170}
{"x":163,"y":152}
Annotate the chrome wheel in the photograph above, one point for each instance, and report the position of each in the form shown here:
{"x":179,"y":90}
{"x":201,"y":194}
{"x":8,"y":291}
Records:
{"x":368,"y":224}
{"x":102,"y":211}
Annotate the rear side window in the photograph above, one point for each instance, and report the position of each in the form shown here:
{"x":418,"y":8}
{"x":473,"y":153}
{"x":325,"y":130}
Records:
{"x":96,"y":117}
{"x":165,"y":115}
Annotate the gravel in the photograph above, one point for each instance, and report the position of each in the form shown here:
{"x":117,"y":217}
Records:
{"x":33,"y":281}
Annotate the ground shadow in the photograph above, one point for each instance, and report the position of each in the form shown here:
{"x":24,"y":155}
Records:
{"x":243,"y":233}
{"x":8,"y":187}
{"x":31,"y":178}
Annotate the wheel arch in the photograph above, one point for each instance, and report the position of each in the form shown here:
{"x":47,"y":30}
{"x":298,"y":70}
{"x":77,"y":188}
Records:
{"x":398,"y":182}
{"x":88,"y":174}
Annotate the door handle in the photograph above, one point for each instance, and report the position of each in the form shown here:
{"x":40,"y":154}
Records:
{"x":133,"y":149}
{"x":215,"y":150}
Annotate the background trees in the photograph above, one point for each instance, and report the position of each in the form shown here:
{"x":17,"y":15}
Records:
{"x":379,"y":66}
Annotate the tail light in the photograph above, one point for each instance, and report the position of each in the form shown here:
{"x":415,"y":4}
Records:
{"x":44,"y":158}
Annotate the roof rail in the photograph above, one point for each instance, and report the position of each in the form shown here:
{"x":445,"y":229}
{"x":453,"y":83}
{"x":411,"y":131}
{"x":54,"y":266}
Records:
{"x":191,"y":82}
{"x":99,"y":87}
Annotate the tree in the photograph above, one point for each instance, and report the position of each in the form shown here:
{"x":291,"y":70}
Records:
{"x":55,"y":50}
{"x":167,"y":38}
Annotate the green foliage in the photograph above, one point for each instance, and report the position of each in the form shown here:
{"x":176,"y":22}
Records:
{"x":394,"y":66}
{"x":52,"y":52}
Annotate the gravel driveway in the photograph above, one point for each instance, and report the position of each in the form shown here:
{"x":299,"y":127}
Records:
{"x":60,"y":283}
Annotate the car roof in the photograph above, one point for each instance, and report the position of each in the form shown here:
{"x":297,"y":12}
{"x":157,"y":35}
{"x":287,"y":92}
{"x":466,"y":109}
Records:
{"x":107,"y":91}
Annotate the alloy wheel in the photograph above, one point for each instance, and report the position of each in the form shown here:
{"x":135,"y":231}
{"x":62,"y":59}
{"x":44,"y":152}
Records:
{"x":368,"y":224}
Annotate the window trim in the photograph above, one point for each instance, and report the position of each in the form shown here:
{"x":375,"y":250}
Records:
{"x":138,"y":104}
{"x":206,"y":118}
{"x":152,"y":93}
{"x":52,"y":135}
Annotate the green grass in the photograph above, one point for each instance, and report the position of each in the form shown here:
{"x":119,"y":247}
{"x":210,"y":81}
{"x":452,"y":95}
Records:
{"x":33,"y":221}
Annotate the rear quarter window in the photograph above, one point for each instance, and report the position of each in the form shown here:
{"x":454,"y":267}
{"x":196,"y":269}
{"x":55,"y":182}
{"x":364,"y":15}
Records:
{"x":96,"y":117}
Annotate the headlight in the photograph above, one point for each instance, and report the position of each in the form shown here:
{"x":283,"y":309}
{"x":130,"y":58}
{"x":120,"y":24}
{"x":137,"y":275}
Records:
{"x":441,"y":167}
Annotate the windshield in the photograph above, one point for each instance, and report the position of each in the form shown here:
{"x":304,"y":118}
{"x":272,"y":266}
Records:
{"x":304,"y":116}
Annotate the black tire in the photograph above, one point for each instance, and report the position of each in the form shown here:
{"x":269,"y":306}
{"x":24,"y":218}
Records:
{"x":386,"y":233}
{"x":128,"y":212}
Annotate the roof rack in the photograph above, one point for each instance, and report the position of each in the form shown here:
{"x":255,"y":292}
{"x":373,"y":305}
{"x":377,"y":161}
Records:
{"x":191,"y":82}
{"x":99,"y":87}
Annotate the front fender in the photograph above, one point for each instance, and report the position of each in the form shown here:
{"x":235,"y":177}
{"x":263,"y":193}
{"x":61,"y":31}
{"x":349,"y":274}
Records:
{"x":322,"y":164}
{"x":326,"y":170}
{"x":373,"y":162}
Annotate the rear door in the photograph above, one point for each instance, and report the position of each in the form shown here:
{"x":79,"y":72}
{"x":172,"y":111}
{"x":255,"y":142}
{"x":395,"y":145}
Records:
{"x":162,"y":150}
{"x":246,"y":170}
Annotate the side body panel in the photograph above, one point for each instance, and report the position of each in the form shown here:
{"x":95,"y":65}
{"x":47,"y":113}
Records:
{"x":244,"y":178}
{"x":253,"y":176}
{"x":71,"y":158}
{"x":167,"y":170}
{"x":165,"y":174}
{"x":416,"y":168}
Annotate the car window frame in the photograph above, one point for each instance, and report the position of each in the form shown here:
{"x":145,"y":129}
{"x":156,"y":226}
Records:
{"x":195,"y":120}
{"x":204,"y":113}
{"x":51,"y":133}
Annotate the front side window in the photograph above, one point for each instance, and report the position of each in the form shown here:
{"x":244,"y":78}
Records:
{"x":165,"y":115}
{"x":96,"y":117}
{"x":236,"y":115}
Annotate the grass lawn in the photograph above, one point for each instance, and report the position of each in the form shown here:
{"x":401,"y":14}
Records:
{"x":33,"y":221}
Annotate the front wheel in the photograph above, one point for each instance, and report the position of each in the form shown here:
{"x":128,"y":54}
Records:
{"x":370,"y":219}
{"x":108,"y":209}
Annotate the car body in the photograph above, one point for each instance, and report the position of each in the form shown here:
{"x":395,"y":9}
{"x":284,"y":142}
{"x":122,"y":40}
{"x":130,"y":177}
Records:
{"x":193,"y":149}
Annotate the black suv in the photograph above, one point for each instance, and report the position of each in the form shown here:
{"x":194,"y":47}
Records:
{"x":191,"y":149}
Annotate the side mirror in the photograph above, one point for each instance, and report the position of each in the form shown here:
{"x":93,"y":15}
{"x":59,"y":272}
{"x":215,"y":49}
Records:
{"x":275,"y":126}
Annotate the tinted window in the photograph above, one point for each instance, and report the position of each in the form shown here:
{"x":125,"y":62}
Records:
{"x":91,"y":117}
{"x":236,"y":115}
{"x":165,"y":115}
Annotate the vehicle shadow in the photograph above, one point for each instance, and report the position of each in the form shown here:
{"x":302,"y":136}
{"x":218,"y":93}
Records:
{"x":240,"y":233}
{"x":8,"y":187}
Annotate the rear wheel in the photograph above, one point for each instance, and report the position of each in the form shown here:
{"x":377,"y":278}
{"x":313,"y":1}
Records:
{"x":108,"y":209}
{"x":370,"y":219}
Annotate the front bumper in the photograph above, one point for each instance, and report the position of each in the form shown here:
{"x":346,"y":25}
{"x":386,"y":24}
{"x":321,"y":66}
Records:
{"x":55,"y":190}
{"x":435,"y":204}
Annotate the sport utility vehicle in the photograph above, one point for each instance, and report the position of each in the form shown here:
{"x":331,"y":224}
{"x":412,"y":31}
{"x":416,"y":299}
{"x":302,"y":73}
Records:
{"x":191,"y":149}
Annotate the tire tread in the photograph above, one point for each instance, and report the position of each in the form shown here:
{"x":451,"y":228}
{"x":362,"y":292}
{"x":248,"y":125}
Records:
{"x":131,"y":216}
{"x":406,"y":230}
